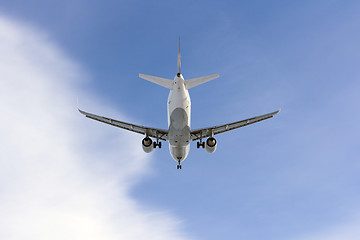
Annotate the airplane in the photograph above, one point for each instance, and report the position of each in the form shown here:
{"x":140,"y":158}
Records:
{"x":179,"y":134}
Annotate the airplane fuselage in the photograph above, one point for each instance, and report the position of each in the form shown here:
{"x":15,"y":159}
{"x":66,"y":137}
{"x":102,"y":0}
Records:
{"x":179,"y":115}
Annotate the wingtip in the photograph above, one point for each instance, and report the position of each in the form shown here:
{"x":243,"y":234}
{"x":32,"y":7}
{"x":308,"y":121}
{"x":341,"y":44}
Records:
{"x":81,"y":111}
{"x":77,"y":105}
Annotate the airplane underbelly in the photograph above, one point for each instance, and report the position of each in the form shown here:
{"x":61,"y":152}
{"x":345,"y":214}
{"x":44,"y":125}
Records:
{"x":179,"y":134}
{"x":179,"y":110}
{"x":179,"y":129}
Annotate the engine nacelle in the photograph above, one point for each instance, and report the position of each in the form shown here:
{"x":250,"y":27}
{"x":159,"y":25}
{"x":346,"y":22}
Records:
{"x":210,"y":145}
{"x":147,"y":145}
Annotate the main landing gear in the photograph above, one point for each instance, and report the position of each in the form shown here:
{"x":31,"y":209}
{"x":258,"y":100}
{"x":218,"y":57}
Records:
{"x":200,"y":144}
{"x":157,"y":144}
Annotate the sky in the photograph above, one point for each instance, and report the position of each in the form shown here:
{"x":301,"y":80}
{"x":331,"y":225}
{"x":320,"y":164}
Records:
{"x":294,"y":176}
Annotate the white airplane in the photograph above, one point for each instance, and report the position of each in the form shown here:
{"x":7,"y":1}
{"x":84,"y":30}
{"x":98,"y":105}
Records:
{"x":179,"y":133}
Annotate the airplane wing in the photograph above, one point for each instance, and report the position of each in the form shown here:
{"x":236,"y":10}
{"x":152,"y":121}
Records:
{"x":151,"y":132}
{"x":207,"y":132}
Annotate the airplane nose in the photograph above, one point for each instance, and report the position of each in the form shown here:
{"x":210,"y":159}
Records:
{"x":179,"y":153}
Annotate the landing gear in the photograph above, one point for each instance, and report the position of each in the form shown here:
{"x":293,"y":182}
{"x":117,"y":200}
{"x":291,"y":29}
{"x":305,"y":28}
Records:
{"x":200,"y":144}
{"x":157,"y":144}
{"x":178,"y":166}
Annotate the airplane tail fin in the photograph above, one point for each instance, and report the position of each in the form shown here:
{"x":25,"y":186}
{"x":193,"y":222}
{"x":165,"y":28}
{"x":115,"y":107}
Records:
{"x":193,"y":82}
{"x":157,"y":80}
{"x":179,"y":57}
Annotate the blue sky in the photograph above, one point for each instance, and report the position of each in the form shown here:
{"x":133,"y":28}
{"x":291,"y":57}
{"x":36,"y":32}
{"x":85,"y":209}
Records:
{"x":291,"y":177}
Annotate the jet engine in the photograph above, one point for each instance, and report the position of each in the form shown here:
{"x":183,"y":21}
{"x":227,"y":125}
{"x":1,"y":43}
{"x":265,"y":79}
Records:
{"x":147,"y":145}
{"x":210,"y":145}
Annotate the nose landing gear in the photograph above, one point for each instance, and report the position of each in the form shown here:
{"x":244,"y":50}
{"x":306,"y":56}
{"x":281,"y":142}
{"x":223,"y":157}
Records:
{"x":179,"y":165}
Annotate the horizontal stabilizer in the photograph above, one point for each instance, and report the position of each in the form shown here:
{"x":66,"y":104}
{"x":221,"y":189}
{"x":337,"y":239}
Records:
{"x":157,"y":80}
{"x":193,"y":82}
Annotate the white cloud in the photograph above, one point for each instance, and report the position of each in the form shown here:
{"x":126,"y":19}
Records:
{"x":63,"y":176}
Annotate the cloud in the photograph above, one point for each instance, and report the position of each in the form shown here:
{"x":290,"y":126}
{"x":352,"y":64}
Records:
{"x":63,"y":176}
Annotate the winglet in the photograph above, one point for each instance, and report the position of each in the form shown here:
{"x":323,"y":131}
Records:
{"x":82,"y":112}
{"x":77,"y":105}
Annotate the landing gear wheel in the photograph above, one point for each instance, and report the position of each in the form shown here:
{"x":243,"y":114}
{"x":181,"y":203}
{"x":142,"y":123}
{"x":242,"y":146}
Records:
{"x":157,"y":144}
{"x":178,"y":166}
{"x":200,"y":144}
